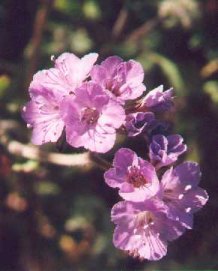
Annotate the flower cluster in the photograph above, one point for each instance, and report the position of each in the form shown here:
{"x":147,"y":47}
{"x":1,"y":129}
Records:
{"x":157,"y":208}
{"x":85,"y":100}
{"x":91,"y":103}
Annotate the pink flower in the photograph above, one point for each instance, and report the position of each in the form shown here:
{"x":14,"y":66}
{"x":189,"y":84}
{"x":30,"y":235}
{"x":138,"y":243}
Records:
{"x":158,"y":100}
{"x":181,"y":193}
{"x":135,"y":178}
{"x":164,"y":151}
{"x":91,"y":118}
{"x":47,"y":91}
{"x":143,"y":229}
{"x":69,"y":73}
{"x":137,"y":123}
{"x":42,"y":114}
{"x":122,"y":79}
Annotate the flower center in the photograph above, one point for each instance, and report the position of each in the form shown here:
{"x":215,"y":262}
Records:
{"x":90,"y":116}
{"x":113,"y":87}
{"x":136,"y":178}
{"x":144,"y":219}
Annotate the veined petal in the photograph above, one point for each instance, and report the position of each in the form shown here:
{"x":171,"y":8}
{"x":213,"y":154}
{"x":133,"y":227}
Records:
{"x":143,"y":229}
{"x":47,"y":125}
{"x":152,"y":248}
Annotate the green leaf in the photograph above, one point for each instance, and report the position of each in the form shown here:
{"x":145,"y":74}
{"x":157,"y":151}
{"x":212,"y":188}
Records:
{"x":211,"y":88}
{"x":4,"y":84}
{"x":28,"y":166}
{"x":170,"y":70}
{"x":91,"y":10}
{"x":80,"y":41}
{"x":47,"y":188}
{"x":67,"y":6}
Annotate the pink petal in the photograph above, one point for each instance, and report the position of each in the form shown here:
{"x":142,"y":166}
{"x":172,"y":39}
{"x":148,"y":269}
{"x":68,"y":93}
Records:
{"x":47,"y":126}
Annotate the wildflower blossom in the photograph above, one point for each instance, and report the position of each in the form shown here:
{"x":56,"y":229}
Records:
{"x":164,"y":151}
{"x":91,"y":118}
{"x":47,"y":91}
{"x":143,"y":228}
{"x":42,"y":114}
{"x":135,"y":178}
{"x":158,"y":100}
{"x":122,"y":79}
{"x":68,"y":73}
{"x":136,"y":123}
{"x":181,"y":193}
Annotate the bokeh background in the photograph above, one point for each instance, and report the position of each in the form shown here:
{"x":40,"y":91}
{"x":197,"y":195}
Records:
{"x":56,"y":217}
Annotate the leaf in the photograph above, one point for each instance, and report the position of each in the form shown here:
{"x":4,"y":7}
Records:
{"x":68,"y":6}
{"x":170,"y":70}
{"x":211,"y":88}
{"x":91,"y":10}
{"x":80,"y":41}
{"x":4,"y":84}
{"x":47,"y":188}
{"x":27,"y":167}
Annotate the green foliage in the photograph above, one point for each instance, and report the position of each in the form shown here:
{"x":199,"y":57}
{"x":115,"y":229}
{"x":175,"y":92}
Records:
{"x":91,"y":10}
{"x":68,"y":6}
{"x":44,"y":188}
{"x":80,"y":41}
{"x":28,"y":166}
{"x":170,"y":70}
{"x":211,"y":88}
{"x":4,"y":84}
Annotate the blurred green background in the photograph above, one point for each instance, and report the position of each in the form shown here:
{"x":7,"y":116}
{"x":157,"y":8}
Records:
{"x":55,"y":217}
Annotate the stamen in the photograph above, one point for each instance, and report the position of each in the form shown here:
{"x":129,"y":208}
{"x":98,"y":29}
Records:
{"x":144,"y":220}
{"x":113,"y":87}
{"x":136,"y":178}
{"x":90,"y":116}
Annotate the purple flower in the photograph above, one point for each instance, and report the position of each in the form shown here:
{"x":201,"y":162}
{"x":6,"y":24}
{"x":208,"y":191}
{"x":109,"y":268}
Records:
{"x":143,"y":229}
{"x":69,"y":73}
{"x":47,"y":91}
{"x":135,"y":178}
{"x":181,"y":193}
{"x":91,"y":118}
{"x":136,"y":123}
{"x":164,"y":151}
{"x":122,"y":79}
{"x":42,"y":114}
{"x":158,"y":100}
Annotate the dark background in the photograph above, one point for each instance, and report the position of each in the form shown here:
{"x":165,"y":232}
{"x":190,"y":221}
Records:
{"x":56,"y":217}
